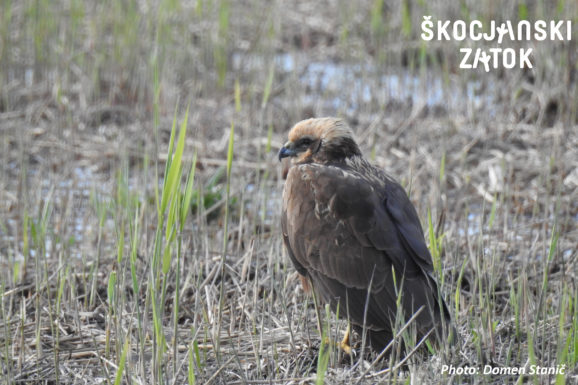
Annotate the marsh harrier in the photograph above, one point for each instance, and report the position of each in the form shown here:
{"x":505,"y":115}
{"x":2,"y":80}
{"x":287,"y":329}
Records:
{"x":352,"y":232}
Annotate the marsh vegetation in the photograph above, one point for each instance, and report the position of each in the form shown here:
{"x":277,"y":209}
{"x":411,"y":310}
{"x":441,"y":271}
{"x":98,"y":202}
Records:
{"x":140,"y":190}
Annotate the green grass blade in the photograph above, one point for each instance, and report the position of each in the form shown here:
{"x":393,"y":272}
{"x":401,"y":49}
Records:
{"x":118,"y":378}
{"x":187,"y":198}
{"x":324,"y":353}
{"x":110,"y":290}
{"x":174,"y":172}
{"x":164,"y":199}
{"x":191,"y":371}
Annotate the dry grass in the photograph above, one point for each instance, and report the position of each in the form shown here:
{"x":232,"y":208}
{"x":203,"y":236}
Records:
{"x":96,"y":290}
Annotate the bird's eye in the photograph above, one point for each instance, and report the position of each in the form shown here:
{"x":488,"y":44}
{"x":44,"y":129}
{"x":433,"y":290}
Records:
{"x":306,"y":141}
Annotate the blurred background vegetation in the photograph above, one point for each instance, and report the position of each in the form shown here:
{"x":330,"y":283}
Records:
{"x":146,"y":55}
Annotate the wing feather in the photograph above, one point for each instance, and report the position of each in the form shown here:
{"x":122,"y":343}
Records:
{"x":346,"y":231}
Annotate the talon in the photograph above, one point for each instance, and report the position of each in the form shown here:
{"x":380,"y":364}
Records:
{"x":345,"y":345}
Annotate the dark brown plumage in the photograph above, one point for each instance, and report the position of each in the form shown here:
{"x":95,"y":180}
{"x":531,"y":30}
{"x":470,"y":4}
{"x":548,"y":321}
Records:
{"x":348,"y":226}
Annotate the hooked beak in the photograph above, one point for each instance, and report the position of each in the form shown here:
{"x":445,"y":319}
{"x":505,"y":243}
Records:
{"x":288,"y":149}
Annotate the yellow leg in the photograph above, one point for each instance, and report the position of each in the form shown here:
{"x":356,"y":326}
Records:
{"x":344,"y":344}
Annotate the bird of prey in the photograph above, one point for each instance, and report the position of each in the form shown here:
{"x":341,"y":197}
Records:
{"x":352,"y":232}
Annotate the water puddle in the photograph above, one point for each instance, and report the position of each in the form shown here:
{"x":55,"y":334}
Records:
{"x":347,"y":86}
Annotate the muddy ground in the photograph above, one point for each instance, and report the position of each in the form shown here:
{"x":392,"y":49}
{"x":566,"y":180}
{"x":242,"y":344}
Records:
{"x":87,"y":102}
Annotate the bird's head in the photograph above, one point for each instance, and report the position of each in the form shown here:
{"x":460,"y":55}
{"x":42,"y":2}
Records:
{"x":319,"y":140}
